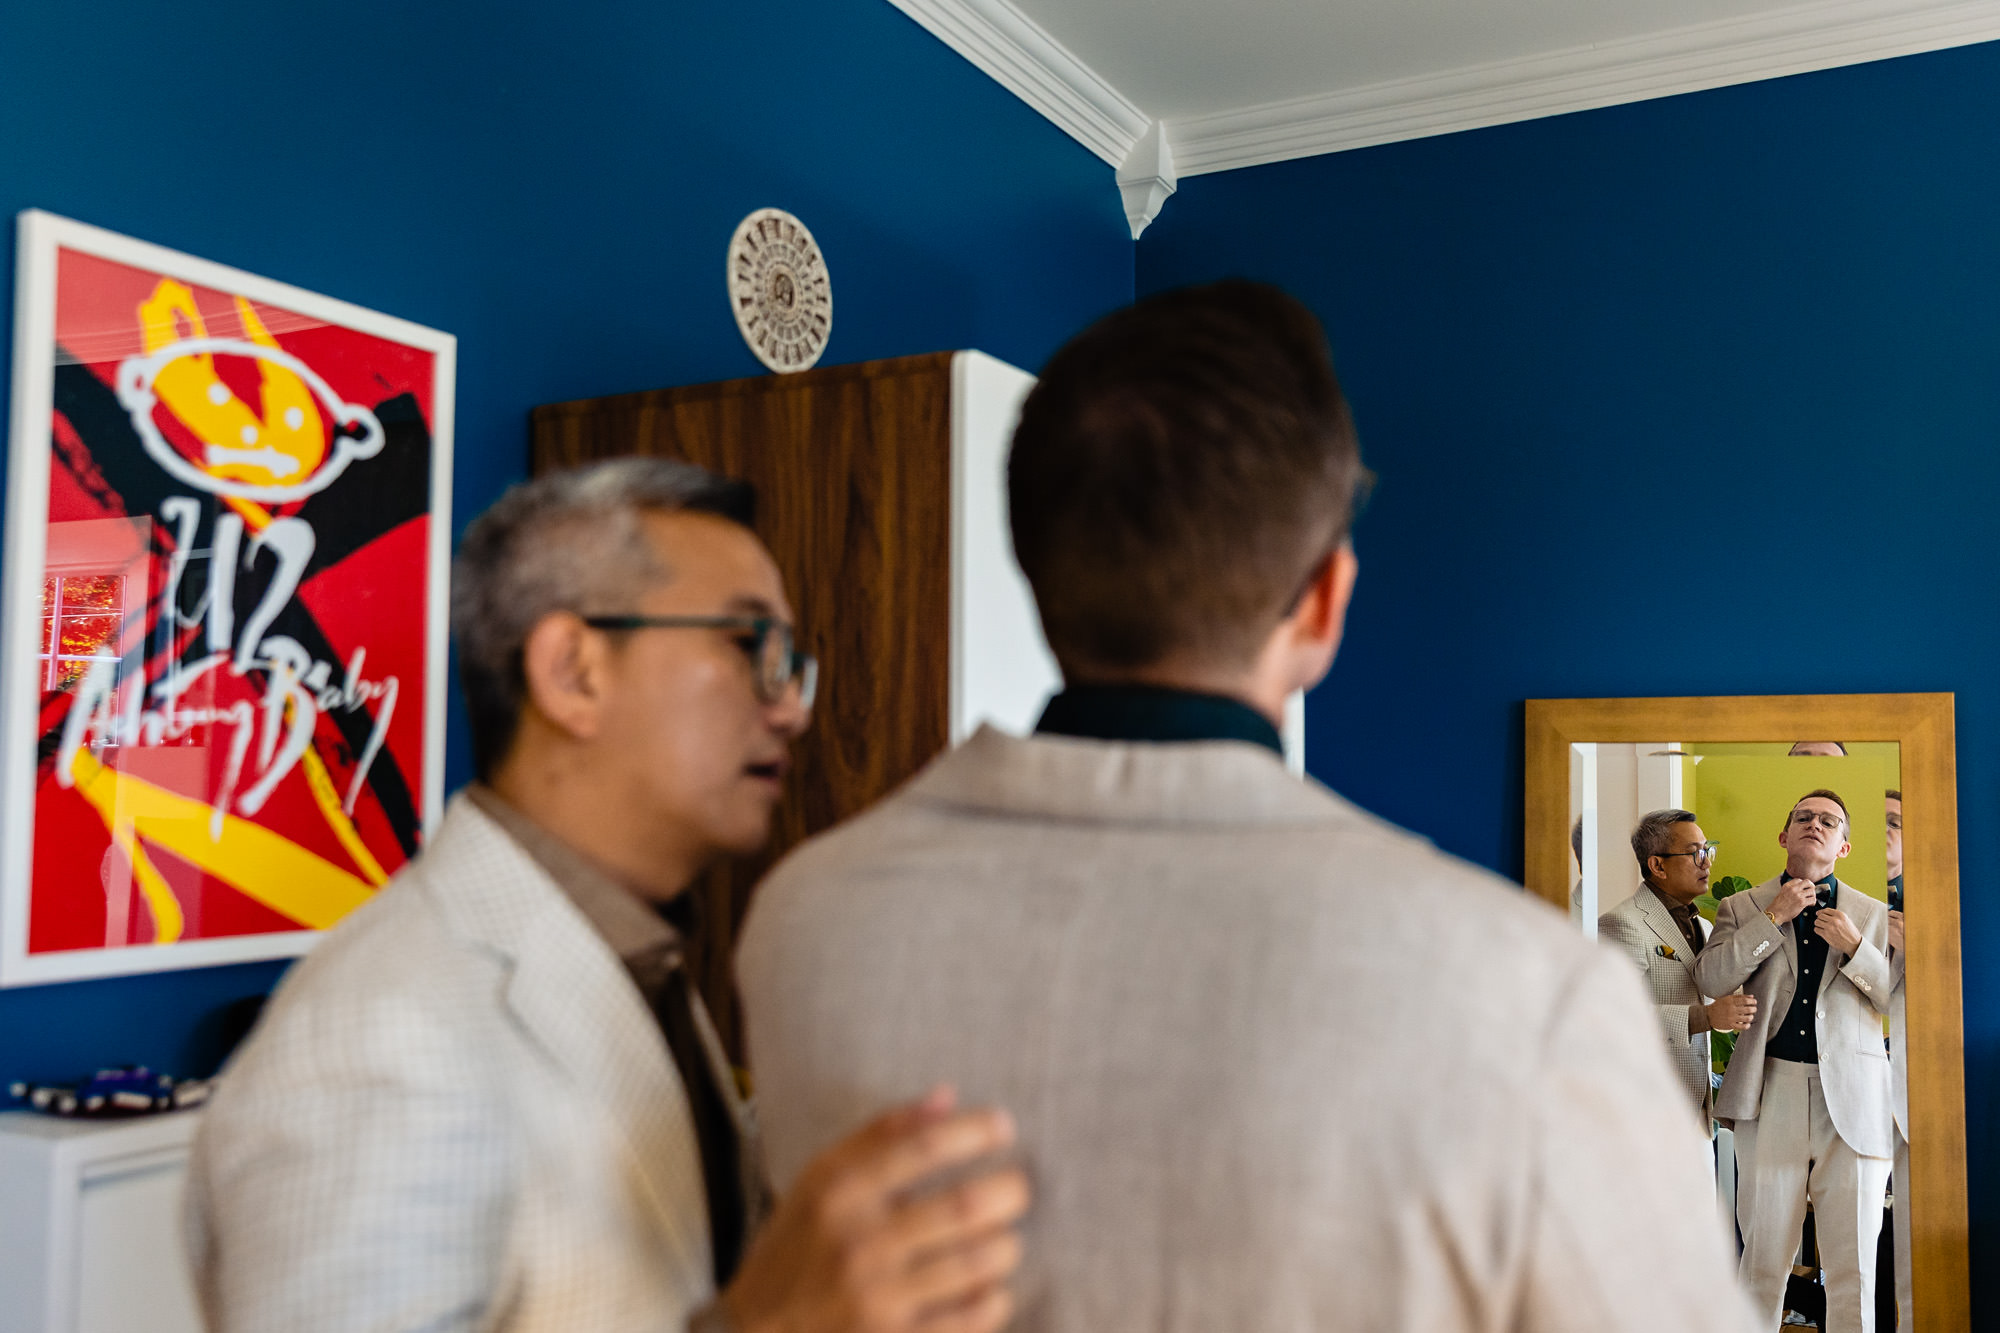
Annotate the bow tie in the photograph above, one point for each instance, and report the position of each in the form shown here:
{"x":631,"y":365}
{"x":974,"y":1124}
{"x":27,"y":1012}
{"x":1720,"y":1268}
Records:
{"x":1823,"y":889}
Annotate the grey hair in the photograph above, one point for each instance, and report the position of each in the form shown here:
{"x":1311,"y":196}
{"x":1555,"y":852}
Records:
{"x":565,"y":541}
{"x":1654,"y":834}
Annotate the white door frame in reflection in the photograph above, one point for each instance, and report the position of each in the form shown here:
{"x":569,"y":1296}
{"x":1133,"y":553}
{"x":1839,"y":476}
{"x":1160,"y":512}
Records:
{"x":1922,"y":724}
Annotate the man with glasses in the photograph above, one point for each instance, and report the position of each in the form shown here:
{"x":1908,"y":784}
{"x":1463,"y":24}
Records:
{"x":492,"y":1098}
{"x":1659,"y":929}
{"x":1807,"y":1089}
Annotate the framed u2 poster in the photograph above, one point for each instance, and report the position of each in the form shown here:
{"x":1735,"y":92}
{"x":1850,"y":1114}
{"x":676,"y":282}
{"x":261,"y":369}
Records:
{"x":223,"y":631}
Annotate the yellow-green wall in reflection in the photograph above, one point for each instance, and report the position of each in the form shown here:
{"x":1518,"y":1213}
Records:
{"x":1742,"y":793}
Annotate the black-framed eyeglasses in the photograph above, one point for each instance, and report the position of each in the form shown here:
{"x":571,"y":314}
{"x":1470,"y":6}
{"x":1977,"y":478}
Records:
{"x":1702,"y":855}
{"x":1826,"y":819}
{"x":765,"y":640}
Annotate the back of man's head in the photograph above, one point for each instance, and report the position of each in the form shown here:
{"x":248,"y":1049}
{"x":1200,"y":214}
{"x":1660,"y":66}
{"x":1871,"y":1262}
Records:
{"x":1180,"y":472}
{"x":566,"y":541}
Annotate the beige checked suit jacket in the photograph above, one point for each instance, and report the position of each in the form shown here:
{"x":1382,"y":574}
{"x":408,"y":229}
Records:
{"x":1747,"y":950}
{"x":456,"y":1114}
{"x":1643,"y":930}
{"x":1277,"y":1065}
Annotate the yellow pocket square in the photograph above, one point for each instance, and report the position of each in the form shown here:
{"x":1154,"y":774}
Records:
{"x":1665,"y":951}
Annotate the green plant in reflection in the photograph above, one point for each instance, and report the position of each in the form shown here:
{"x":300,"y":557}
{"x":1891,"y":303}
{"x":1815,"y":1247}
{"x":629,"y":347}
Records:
{"x":1721,"y":1045}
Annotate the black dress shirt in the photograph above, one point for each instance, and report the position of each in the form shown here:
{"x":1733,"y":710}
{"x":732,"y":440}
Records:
{"x":1155,"y":713}
{"x":1796,"y":1037}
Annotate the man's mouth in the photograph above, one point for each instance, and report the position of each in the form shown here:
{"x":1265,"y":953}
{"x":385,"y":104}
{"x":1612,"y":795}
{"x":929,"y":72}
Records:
{"x":772,"y":770}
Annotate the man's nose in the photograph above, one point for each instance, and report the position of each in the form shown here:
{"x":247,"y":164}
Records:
{"x":789,"y":716}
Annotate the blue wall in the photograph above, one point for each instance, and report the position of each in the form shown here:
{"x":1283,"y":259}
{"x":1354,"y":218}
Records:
{"x":555,"y":185}
{"x":1697,"y":396}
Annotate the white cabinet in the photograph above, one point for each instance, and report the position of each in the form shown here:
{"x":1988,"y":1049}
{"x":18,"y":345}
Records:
{"x":90,"y":1225}
{"x":1001,"y":669}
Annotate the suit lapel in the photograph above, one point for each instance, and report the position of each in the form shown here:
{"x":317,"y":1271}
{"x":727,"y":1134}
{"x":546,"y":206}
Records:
{"x":1761,"y":898}
{"x":1843,"y":898}
{"x":574,"y":999}
{"x":1660,"y":920}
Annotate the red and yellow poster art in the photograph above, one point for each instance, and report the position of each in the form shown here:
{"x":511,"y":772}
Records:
{"x":224,"y":627}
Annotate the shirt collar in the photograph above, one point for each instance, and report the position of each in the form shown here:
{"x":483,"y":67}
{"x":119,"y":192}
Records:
{"x":626,"y":922}
{"x":1676,"y":910}
{"x":1155,"y":713}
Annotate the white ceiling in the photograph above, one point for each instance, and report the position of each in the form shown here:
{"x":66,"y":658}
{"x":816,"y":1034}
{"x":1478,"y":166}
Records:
{"x":1181,"y":58}
{"x":1167,"y":88}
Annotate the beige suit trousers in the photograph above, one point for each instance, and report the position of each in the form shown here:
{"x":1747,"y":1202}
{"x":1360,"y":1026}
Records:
{"x":1791,"y":1153}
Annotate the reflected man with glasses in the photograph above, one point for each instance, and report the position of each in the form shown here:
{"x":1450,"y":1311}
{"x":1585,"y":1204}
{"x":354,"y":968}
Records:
{"x":1808,"y":1087}
{"x":1660,"y":930}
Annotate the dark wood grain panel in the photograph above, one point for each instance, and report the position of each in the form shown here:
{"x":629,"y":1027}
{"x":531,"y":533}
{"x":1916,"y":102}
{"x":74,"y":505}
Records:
{"x":852,"y":466}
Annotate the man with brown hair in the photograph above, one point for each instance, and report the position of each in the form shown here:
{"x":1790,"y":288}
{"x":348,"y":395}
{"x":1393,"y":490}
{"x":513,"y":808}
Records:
{"x":1807,"y":1090}
{"x":1276,"y":1064}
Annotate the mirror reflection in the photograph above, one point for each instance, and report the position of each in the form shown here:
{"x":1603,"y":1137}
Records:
{"x":1757,"y":890}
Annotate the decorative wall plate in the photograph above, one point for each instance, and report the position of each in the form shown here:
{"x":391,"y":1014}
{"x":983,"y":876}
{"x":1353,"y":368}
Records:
{"x":779,"y":290}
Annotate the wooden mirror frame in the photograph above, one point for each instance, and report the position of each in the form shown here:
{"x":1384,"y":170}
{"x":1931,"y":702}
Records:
{"x":1922,"y":724}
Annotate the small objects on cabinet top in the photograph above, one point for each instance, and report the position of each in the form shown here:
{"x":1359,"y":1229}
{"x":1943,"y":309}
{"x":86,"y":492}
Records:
{"x":113,"y":1093}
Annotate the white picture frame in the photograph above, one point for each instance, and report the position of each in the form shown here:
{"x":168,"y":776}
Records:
{"x":27,"y":665}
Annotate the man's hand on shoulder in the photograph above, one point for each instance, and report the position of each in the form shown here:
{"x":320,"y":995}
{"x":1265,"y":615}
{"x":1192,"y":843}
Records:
{"x":1795,"y":897}
{"x":859,"y":1245}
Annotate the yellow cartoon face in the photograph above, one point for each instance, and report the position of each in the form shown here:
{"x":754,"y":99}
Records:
{"x":279,"y":448}
{"x":279,"y":445}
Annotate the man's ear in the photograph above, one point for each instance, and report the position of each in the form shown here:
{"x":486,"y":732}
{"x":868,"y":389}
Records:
{"x":1322,"y":612}
{"x":564,"y":662}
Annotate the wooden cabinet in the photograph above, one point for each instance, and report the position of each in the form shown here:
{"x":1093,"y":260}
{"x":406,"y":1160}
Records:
{"x":881,"y":492}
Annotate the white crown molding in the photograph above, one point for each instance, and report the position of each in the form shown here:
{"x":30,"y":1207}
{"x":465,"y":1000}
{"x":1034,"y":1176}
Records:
{"x":1013,"y":49}
{"x":1709,"y":55}
{"x":1147,"y":178}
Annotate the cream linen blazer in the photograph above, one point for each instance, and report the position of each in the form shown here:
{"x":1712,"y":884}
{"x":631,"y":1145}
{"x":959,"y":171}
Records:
{"x":1277,"y":1065}
{"x":1641,"y":928}
{"x":457,"y":1113}
{"x":1747,"y":950}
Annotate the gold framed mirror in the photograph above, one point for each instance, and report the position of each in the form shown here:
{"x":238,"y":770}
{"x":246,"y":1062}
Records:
{"x":1908,"y":736}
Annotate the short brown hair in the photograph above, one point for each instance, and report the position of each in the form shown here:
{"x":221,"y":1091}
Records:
{"x":1824,"y":795}
{"x":1893,"y":794}
{"x":1179,"y":473}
